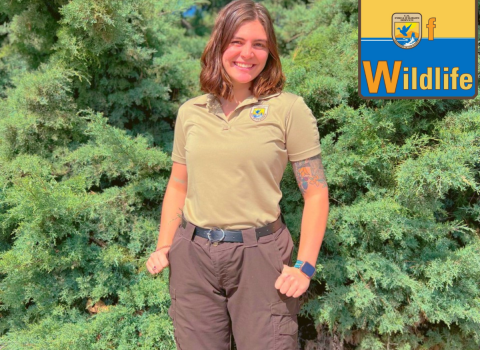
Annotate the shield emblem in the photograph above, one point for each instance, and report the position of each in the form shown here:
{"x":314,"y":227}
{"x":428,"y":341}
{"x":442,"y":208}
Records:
{"x":407,"y":29}
{"x":259,"y":113}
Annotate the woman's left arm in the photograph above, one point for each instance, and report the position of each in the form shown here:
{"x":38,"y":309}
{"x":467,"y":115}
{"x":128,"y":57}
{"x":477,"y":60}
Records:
{"x":313,"y":185}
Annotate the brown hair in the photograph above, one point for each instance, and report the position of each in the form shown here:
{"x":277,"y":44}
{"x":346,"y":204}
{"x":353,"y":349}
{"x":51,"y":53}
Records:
{"x":213,"y":77}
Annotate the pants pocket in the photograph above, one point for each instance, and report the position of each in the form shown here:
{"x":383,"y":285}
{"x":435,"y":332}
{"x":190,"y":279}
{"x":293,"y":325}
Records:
{"x":283,"y":245}
{"x":176,"y":239}
{"x":285,"y":324}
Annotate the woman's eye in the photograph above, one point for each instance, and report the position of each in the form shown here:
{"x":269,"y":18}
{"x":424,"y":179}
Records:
{"x":260,"y":45}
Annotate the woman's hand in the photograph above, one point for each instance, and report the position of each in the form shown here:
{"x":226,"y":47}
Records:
{"x":158,"y":260}
{"x":292,"y":282}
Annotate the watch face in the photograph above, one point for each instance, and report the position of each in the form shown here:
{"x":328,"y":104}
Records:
{"x":308,"y":269}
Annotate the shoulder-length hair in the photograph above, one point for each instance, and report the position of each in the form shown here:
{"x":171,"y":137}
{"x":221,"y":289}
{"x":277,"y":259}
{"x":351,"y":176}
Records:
{"x":213,"y":77}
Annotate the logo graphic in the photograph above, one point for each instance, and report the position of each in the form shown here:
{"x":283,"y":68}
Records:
{"x":417,"y":49}
{"x":407,"y":29}
{"x":259,"y":113}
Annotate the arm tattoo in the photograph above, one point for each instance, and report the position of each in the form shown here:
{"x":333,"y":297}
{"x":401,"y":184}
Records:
{"x":309,"y":172}
{"x":178,"y":180}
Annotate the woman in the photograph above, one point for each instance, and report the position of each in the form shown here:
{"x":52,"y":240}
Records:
{"x":221,"y":230}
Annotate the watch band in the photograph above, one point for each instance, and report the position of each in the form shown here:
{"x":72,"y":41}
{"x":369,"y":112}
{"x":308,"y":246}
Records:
{"x":305,"y":267}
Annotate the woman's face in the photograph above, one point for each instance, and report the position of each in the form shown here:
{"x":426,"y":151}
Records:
{"x":246,"y":54}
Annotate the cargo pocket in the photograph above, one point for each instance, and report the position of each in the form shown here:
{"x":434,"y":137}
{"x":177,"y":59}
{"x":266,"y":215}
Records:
{"x":172,"y":312}
{"x":285,"y":323}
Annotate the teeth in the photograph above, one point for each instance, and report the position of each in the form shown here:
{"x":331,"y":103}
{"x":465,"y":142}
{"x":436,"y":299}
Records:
{"x":244,"y":65}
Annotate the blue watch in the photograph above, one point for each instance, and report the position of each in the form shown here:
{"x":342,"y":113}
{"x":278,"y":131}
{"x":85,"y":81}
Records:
{"x":305,"y":267}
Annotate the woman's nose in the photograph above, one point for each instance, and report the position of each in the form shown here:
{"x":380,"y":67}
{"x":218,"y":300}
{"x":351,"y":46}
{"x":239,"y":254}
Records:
{"x":247,"y":51}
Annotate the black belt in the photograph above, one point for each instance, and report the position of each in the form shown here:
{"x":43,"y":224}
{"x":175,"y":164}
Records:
{"x":216,"y":235}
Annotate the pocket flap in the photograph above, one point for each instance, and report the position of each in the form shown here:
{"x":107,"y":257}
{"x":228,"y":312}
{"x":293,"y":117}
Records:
{"x":289,"y":327}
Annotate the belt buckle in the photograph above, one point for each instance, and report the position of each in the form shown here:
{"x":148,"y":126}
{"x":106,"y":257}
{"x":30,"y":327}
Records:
{"x":215,"y":243}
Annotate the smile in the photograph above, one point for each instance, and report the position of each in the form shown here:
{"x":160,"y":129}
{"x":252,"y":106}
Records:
{"x":243,"y":65}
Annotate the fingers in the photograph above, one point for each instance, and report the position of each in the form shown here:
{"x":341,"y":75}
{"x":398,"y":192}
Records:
{"x":153,"y":268}
{"x":293,"y":288}
{"x":157,"y":261}
{"x":290,"y":286}
{"x":149,"y":266}
{"x":163,"y":258}
{"x":281,"y":280}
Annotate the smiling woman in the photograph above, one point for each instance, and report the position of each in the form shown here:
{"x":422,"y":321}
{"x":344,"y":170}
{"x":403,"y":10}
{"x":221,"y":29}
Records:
{"x":230,"y":257}
{"x":246,"y":55}
{"x":242,"y":36}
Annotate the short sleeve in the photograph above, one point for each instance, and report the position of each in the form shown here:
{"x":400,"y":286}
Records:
{"x":302,"y":139}
{"x":178,"y":151}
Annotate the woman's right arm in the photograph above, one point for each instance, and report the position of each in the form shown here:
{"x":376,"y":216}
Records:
{"x":171,"y":216}
{"x":172,"y":204}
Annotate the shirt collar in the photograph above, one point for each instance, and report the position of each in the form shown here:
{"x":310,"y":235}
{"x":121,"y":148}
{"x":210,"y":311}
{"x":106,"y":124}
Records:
{"x":213,"y":105}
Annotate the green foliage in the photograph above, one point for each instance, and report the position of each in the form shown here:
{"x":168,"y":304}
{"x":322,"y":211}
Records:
{"x":80,"y":198}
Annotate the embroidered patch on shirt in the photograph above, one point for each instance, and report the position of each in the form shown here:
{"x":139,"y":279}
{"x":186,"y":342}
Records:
{"x":259,"y":113}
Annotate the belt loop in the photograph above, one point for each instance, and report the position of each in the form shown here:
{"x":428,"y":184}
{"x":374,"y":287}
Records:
{"x":283,"y":219}
{"x":249,"y":236}
{"x":183,"y":222}
{"x":188,"y":227}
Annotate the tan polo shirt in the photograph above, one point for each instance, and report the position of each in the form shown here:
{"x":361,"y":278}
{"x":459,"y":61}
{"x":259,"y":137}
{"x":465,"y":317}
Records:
{"x":235,"y":165}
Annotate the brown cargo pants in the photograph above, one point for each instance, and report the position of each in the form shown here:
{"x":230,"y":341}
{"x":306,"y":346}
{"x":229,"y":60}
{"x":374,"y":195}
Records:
{"x":230,"y":287}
